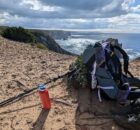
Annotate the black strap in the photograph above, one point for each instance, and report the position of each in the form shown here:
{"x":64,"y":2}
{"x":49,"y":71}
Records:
{"x":130,"y":74}
{"x":125,"y":58}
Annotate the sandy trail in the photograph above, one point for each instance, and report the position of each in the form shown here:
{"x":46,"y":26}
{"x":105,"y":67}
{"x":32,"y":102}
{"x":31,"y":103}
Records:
{"x":23,"y":67}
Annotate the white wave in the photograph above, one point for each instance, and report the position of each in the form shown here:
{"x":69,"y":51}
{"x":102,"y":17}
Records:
{"x":75,"y":45}
{"x":132,"y":54}
{"x":78,"y":45}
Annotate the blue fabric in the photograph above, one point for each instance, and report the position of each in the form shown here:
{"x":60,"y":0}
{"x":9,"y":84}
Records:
{"x":122,"y":95}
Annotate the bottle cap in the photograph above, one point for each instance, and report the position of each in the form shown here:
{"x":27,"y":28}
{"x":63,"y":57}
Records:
{"x":41,"y":87}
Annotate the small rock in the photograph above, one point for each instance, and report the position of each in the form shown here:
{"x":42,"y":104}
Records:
{"x":74,"y":101}
{"x":33,"y":57}
{"x":67,"y":122}
{"x":17,"y":123}
{"x":63,"y":128}
{"x":29,"y":121}
{"x":56,"y":110}
{"x":58,"y":120}
{"x":1,"y":119}
{"x":8,"y":86}
{"x":43,"y":62}
{"x":14,"y":76}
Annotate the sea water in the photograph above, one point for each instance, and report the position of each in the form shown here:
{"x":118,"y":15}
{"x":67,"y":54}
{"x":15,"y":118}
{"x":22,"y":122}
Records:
{"x":78,"y":41}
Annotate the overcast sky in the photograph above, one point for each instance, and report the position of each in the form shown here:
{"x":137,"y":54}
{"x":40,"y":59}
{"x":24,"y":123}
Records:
{"x":98,"y":15}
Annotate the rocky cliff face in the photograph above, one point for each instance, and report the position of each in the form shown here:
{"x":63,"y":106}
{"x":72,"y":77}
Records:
{"x":56,"y":34}
{"x":59,"y":34}
{"x":41,"y":36}
{"x":49,"y":42}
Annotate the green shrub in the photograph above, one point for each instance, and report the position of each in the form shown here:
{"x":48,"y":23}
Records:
{"x":41,"y":46}
{"x":79,"y":77}
{"x":19,"y":34}
{"x":2,"y":28}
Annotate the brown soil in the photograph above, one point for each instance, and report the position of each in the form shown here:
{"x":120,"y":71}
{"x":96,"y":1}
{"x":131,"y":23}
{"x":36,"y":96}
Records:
{"x":23,"y":67}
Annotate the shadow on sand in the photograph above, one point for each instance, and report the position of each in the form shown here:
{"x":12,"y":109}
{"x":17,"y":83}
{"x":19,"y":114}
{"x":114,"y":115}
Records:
{"x":20,"y":109}
{"x":38,"y":125}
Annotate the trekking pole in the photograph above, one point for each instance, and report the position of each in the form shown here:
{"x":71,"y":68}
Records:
{"x":25,"y":93}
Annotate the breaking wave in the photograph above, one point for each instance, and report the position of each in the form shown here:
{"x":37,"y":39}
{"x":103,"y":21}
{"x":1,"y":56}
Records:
{"x":78,"y":45}
{"x":75,"y":45}
{"x":132,"y":54}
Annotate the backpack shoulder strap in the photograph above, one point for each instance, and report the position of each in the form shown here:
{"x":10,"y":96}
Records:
{"x":125,"y":59}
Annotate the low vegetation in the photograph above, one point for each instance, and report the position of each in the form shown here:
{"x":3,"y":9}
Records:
{"x":79,"y":78}
{"x":39,"y":38}
{"x":2,"y":28}
{"x":22,"y":35}
{"x":41,"y":46}
{"x":19,"y":34}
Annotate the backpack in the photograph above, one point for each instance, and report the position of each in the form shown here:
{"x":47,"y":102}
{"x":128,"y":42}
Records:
{"x":109,"y":73}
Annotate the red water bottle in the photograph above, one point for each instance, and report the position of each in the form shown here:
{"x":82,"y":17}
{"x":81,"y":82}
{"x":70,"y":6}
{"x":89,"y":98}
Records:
{"x":44,"y":97}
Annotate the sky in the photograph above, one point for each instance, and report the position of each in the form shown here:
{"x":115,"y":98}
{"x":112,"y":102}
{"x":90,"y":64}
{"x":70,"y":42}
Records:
{"x":91,"y":15}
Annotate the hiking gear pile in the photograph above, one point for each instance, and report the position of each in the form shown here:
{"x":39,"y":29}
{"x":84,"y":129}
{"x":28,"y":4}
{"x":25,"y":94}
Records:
{"x":101,"y":67}
{"x":103,"y":63}
{"x":106,"y":65}
{"x":130,"y":122}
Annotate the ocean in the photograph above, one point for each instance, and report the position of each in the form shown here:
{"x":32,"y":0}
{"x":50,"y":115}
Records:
{"x":78,"y":41}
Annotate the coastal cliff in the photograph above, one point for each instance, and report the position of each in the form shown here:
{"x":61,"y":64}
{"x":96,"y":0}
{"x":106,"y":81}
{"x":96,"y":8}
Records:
{"x":41,"y":38}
